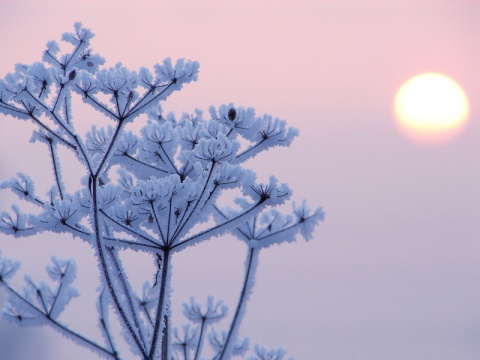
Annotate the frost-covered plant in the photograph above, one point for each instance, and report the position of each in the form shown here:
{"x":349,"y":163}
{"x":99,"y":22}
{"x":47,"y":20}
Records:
{"x":154,"y":191}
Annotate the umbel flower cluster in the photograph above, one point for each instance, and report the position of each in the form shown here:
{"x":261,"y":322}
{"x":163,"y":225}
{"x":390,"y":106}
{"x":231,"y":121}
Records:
{"x":155,"y":191}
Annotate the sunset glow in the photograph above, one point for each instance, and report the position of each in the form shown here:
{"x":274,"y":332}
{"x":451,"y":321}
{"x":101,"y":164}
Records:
{"x":431,"y":108}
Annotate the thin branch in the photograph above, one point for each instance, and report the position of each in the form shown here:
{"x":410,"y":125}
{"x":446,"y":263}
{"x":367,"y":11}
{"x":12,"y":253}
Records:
{"x":157,"y":221}
{"x":200,"y":339}
{"x":135,"y":110}
{"x":129,"y":243}
{"x":145,"y":310}
{"x":241,"y":302}
{"x":106,"y":273}
{"x":55,"y":168}
{"x":216,"y":228}
{"x":181,"y":225}
{"x":12,"y":108}
{"x":55,"y":298}
{"x":66,"y":110}
{"x":26,"y":193}
{"x":128,"y":156}
{"x":245,"y":235}
{"x":126,"y":292}
{"x":77,"y":230}
{"x":285,"y":229}
{"x":59,"y":326}
{"x":244,"y":153}
{"x":105,"y":327}
{"x":115,"y":94}
{"x":215,"y":187}
{"x":110,"y":148}
{"x":59,"y":122}
{"x":169,"y":160}
{"x":169,"y":220}
{"x":127,"y":104}
{"x":84,"y":154}
{"x":99,"y":104}
{"x":54,"y":59}
{"x":51,"y":111}
{"x":45,"y":127}
{"x":150,"y":91}
{"x":62,"y":86}
{"x":80,"y":42}
{"x":40,"y":295}
{"x":132,"y":231}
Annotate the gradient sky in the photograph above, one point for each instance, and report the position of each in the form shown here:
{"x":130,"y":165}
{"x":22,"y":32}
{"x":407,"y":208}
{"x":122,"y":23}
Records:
{"x":394,"y":271}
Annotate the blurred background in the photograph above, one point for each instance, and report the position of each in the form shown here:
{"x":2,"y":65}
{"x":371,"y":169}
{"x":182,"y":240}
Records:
{"x":394,"y":271}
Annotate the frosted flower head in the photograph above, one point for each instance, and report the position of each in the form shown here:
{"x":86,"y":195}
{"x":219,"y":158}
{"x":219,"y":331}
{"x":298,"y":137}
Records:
{"x":88,"y":61}
{"x":62,"y":270}
{"x":127,"y":215}
{"x":188,"y":338}
{"x":262,"y":353}
{"x":148,"y":298}
{"x":80,"y":35}
{"x":18,"y":315}
{"x":119,"y":84}
{"x":191,"y":134}
{"x":217,"y":341}
{"x":219,"y":149}
{"x":239,"y":119}
{"x":127,"y":145}
{"x":98,"y":139}
{"x":183,"y":70}
{"x":212,"y":313}
{"x":64,"y":210}
{"x":272,"y":192}
{"x":155,"y":190}
{"x":16,"y":223}
{"x":40,"y":79}
{"x":8,"y":268}
{"x":22,"y":185}
{"x":307,"y":219}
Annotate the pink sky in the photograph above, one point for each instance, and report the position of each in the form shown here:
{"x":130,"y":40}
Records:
{"x":394,"y":272}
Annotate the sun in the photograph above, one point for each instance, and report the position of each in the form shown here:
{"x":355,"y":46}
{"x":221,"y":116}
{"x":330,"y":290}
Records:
{"x":431,"y":108}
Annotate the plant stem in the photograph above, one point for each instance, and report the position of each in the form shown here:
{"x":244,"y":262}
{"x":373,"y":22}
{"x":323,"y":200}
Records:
{"x":106,"y":274}
{"x":200,"y":339}
{"x":246,"y":289}
{"x":127,"y":294}
{"x":161,"y":308}
{"x":56,"y":169}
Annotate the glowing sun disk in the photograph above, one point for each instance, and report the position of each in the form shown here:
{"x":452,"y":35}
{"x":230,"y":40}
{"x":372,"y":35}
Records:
{"x":431,"y":107}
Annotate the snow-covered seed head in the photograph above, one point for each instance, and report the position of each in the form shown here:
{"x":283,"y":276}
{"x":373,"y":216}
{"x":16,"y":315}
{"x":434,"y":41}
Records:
{"x":232,"y":114}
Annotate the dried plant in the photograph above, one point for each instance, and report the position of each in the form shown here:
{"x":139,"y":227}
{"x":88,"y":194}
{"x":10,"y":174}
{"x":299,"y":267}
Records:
{"x":152,"y":191}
